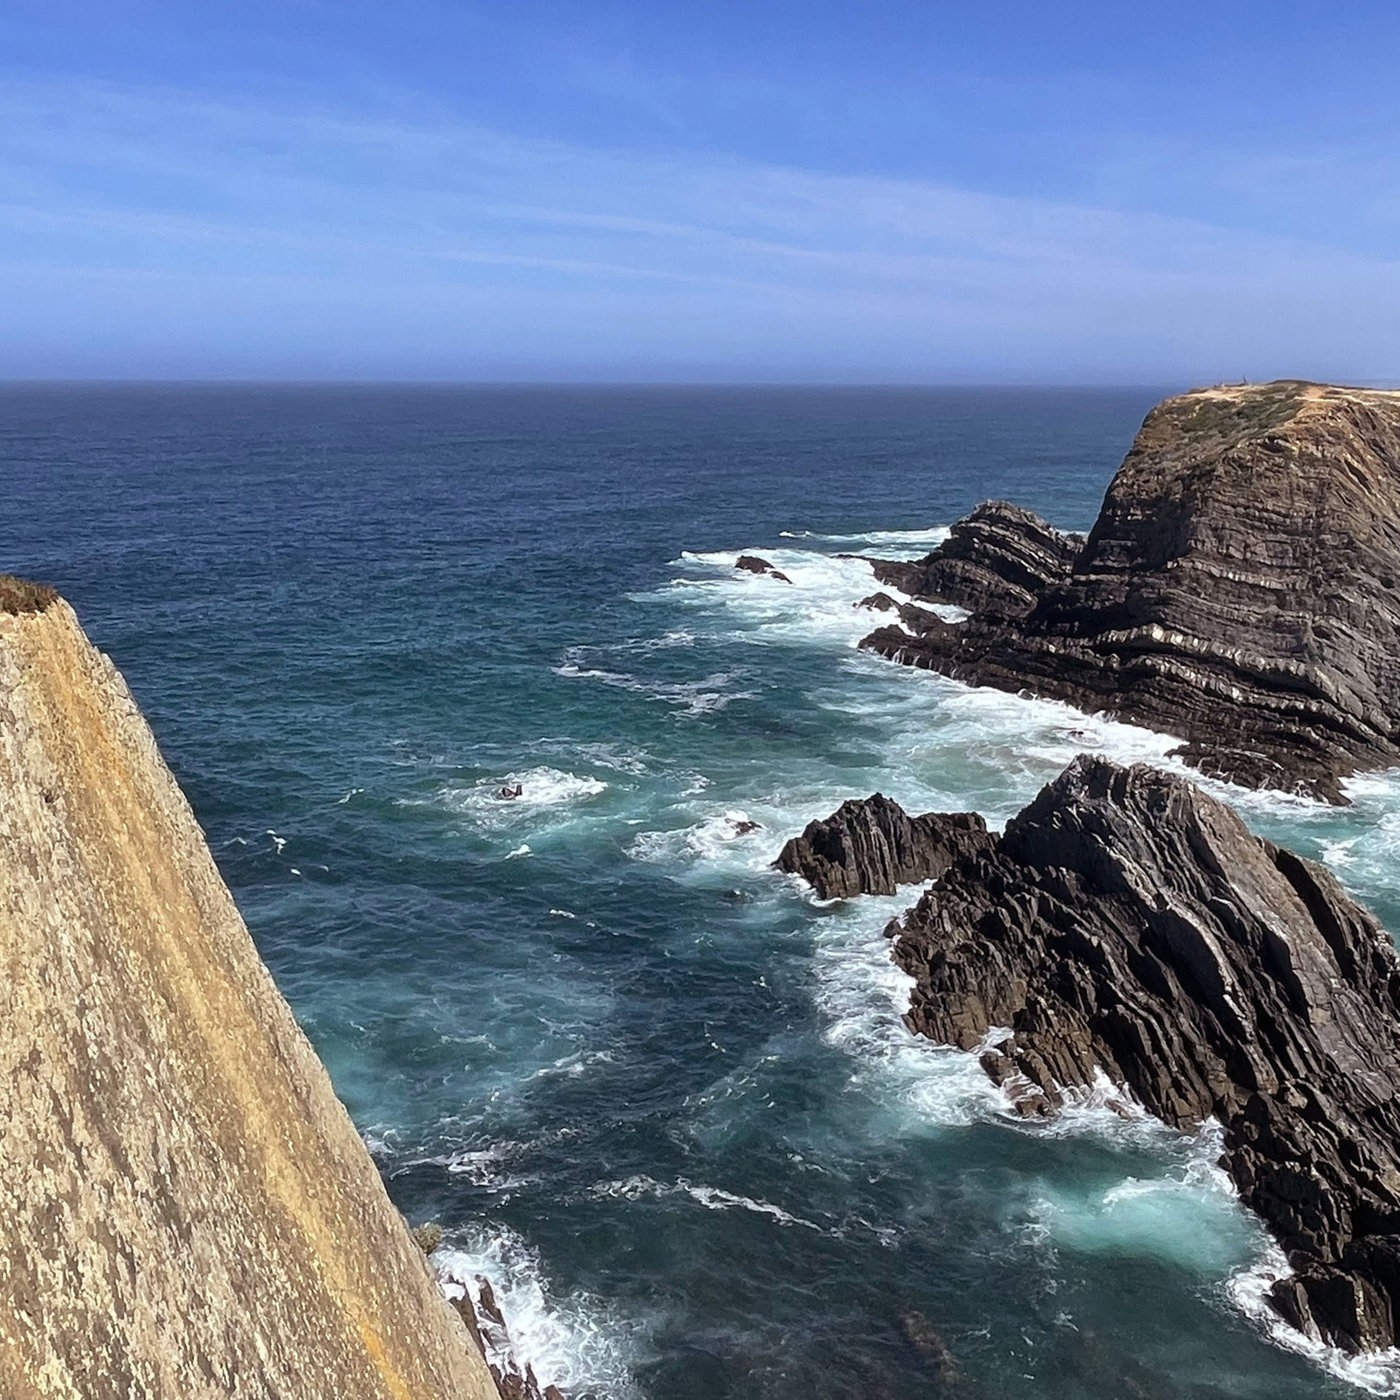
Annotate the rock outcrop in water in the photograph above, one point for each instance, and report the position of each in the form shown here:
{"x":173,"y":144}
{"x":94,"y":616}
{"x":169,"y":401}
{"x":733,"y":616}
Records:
{"x":999,"y":560}
{"x":1240,"y":589}
{"x":752,"y":564}
{"x":1128,"y":923}
{"x":872,"y":845}
{"x":186,"y":1210}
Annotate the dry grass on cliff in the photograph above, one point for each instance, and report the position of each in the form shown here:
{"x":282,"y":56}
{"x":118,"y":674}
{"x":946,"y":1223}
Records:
{"x":19,"y":595}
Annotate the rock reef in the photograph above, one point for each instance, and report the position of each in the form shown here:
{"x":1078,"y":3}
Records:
{"x":1240,"y":588}
{"x":872,"y":845}
{"x":1127,"y":923}
{"x":186,"y":1210}
{"x":752,"y":564}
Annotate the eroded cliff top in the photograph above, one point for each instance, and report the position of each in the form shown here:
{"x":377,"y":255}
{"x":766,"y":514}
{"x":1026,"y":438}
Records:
{"x":1240,"y":588}
{"x":19,"y":595}
{"x":186,"y":1210}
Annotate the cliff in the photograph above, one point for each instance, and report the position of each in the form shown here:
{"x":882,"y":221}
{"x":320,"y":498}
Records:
{"x":1127,"y":923}
{"x":186,"y":1209}
{"x":1240,"y":588}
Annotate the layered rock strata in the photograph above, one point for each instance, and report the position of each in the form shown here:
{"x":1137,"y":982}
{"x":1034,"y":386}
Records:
{"x":186,"y":1210}
{"x":999,"y":560}
{"x":1240,"y":588}
{"x":872,"y":845}
{"x":1127,"y":923}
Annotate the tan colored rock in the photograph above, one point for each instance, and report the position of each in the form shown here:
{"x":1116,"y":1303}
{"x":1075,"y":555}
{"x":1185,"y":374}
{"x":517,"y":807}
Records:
{"x":186,"y":1209}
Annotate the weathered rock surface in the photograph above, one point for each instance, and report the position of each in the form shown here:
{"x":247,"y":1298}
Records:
{"x":1240,"y":589}
{"x":1127,"y":922}
{"x":752,"y":564}
{"x":1000,"y":559}
{"x":872,"y":845}
{"x":186,"y":1210}
{"x":487,"y":1325}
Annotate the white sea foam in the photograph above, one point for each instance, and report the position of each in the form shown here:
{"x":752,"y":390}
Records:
{"x":698,"y":697}
{"x":943,"y":745}
{"x":518,"y":851}
{"x":636,"y":1188}
{"x":707,"y":841}
{"x":1377,"y":1373}
{"x":543,"y":790}
{"x":910,"y":541}
{"x":573,"y":1341}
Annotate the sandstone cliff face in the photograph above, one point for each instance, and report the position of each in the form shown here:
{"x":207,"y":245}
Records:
{"x":1127,"y":922}
{"x":1241,"y":588}
{"x":186,"y":1210}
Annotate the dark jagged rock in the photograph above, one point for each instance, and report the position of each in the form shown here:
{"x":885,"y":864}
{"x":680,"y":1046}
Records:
{"x":878,"y":602}
{"x":1000,"y":559}
{"x":1240,"y":589}
{"x":487,"y":1326}
{"x":1127,"y":922}
{"x":872,"y":845}
{"x":752,"y":564}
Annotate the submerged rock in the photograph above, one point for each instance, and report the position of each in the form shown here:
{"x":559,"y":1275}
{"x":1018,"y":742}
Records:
{"x":1126,"y":922}
{"x":1240,"y":588}
{"x":871,"y":845}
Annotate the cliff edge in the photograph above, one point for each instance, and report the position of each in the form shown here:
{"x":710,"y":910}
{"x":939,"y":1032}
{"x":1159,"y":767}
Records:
{"x":1240,"y":588}
{"x":186,"y":1209}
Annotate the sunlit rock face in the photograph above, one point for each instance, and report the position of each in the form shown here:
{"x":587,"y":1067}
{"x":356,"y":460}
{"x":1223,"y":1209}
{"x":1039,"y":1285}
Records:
{"x":1240,"y":588}
{"x":186,"y":1209}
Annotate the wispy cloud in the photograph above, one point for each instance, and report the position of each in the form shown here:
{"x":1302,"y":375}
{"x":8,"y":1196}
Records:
{"x":277,"y":238}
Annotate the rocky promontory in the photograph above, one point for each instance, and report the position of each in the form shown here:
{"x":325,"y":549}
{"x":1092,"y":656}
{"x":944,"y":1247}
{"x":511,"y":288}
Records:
{"x":872,"y":845}
{"x":186,"y":1210}
{"x":1126,"y":923}
{"x":1240,"y":588}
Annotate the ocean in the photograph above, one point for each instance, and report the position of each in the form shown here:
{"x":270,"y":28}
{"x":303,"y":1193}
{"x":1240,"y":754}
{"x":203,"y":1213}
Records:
{"x":648,"y":1085}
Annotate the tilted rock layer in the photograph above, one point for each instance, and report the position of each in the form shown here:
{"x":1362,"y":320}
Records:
{"x":1127,"y":922}
{"x":186,"y":1210}
{"x":872,"y":845}
{"x":1240,"y":589}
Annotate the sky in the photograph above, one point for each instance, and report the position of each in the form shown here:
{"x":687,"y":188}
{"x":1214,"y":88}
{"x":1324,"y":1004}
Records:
{"x":1008,"y":191}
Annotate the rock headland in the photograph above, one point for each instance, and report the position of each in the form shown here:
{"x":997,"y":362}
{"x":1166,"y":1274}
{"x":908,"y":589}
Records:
{"x":186,"y":1210}
{"x":872,"y":845}
{"x":1127,"y":923}
{"x":1240,"y":588}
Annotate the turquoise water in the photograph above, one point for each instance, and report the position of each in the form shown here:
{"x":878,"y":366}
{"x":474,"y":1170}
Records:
{"x":646,"y":1082}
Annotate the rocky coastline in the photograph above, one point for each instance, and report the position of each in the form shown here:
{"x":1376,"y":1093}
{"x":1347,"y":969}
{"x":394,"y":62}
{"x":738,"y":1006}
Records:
{"x":1240,"y":588}
{"x":1128,"y":925}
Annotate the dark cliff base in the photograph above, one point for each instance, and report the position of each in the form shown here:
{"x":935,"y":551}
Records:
{"x":1125,"y":921}
{"x":1240,"y":588}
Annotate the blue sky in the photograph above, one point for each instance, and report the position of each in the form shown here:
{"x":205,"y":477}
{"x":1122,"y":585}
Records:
{"x":1001,"y":192}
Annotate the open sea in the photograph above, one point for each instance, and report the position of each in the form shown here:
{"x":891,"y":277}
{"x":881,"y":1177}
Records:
{"x":650,"y":1086}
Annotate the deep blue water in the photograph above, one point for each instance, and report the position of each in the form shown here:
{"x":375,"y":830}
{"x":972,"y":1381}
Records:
{"x":655,"y":1090}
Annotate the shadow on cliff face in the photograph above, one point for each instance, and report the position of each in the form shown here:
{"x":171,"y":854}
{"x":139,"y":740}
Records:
{"x":1238,"y":590}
